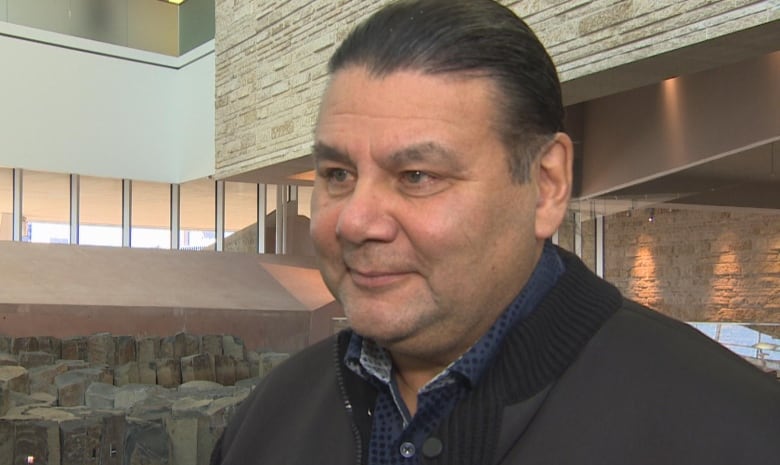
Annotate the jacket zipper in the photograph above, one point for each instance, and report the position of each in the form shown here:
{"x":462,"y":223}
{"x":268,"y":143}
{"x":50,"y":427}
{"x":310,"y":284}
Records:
{"x":347,"y":404}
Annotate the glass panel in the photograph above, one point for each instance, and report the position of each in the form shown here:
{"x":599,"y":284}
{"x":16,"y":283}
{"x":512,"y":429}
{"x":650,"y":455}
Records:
{"x":270,"y":198}
{"x":566,"y":232}
{"x":100,"y":211}
{"x":270,"y":222}
{"x":197,"y":215}
{"x":240,"y":217}
{"x":270,"y":217}
{"x":757,"y":342}
{"x":304,"y":200}
{"x":150,"y":222}
{"x":588,"y":231}
{"x":6,"y":204}
{"x":46,"y":207}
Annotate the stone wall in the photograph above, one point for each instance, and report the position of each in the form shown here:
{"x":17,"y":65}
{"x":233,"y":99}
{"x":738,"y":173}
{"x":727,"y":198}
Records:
{"x":698,"y":265}
{"x":271,"y":55}
{"x":105,"y":399}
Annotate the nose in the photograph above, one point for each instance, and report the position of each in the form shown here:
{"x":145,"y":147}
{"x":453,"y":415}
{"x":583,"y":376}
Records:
{"x":366,"y":215}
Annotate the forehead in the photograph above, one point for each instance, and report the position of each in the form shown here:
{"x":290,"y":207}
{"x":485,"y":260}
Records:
{"x":404,"y":102}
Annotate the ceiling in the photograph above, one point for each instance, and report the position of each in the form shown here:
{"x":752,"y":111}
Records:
{"x":747,"y":180}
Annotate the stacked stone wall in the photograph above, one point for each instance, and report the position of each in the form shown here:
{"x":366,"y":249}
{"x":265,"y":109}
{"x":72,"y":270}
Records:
{"x":122,"y":400}
{"x":698,"y":265}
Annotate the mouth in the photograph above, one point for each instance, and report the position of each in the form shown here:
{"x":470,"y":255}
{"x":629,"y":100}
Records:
{"x":373,"y":279}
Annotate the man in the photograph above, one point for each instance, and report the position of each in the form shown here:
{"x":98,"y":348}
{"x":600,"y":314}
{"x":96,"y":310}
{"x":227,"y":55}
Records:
{"x":442,"y":170}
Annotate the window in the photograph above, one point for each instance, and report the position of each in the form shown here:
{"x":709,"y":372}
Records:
{"x":240,"y":217}
{"x":46,"y":207}
{"x":150,"y":217}
{"x":6,"y":204}
{"x":100,"y":211}
{"x":304,"y":200}
{"x":197,"y":215}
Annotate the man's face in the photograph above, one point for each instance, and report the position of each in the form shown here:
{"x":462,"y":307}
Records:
{"x":422,"y":234}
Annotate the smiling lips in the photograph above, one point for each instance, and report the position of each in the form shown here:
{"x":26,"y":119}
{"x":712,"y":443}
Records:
{"x":375,"y":279}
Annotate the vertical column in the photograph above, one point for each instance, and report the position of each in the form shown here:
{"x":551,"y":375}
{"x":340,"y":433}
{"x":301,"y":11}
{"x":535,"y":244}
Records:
{"x":555,"y":237}
{"x":281,"y":218}
{"x":600,"y":246}
{"x":262,"y":199}
{"x":17,"y":209}
{"x":219,"y":210}
{"x":578,"y":234}
{"x":74,"y":208}
{"x":290,"y":212}
{"x":175,"y":216}
{"x":127,"y":211}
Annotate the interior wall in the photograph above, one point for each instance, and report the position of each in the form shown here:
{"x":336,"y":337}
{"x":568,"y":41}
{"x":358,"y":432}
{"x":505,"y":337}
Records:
{"x":277,"y":302}
{"x":698,"y":265}
{"x":649,"y":132}
{"x":96,"y":112}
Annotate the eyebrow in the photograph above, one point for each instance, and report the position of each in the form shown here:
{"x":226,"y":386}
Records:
{"x":424,"y":151}
{"x":323,"y":152}
{"x":431,"y":152}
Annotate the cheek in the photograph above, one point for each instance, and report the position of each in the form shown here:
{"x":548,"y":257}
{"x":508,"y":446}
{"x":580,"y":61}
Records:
{"x":323,"y":227}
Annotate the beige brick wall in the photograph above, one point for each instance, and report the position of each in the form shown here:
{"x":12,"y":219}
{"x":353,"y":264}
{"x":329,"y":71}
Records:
{"x":585,"y":36}
{"x":270,"y":73}
{"x":271,"y":54}
{"x":696,"y":265}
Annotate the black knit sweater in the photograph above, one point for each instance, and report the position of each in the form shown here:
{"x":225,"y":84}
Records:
{"x":533,"y":356}
{"x":588,"y":377}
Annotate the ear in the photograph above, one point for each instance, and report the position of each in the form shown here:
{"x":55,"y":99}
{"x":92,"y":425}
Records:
{"x":554,"y":184}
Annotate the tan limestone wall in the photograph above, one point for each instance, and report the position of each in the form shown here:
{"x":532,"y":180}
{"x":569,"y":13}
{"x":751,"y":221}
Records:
{"x":698,"y":265}
{"x":271,"y":54}
{"x":584,"y":37}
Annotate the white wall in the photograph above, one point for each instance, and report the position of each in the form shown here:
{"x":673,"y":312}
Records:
{"x":72,"y":105}
{"x":193,"y":108}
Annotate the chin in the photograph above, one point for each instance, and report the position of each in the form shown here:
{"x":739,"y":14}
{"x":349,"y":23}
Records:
{"x":379,"y":332}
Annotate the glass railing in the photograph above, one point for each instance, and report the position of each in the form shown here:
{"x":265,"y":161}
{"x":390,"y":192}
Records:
{"x":759,"y":343}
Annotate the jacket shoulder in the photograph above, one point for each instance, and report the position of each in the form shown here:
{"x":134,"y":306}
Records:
{"x":650,"y":389}
{"x":293,"y":416}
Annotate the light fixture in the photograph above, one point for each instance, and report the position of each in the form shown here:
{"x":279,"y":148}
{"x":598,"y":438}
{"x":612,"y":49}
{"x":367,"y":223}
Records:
{"x":175,"y":2}
{"x":651,"y":215}
{"x":765,"y":346}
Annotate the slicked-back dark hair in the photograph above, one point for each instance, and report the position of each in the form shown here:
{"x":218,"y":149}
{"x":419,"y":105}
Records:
{"x":471,"y":37}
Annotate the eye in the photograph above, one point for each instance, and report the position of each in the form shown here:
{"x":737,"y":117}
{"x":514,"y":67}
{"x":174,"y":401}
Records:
{"x":419,"y":183}
{"x":337,"y":174}
{"x":337,"y":180}
{"x":415,"y":177}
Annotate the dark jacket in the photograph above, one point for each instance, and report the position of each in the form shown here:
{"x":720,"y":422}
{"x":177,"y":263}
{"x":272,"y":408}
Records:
{"x":587,"y":378}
